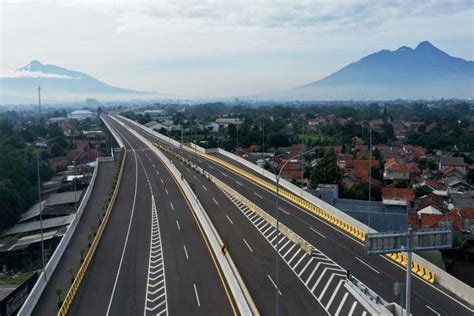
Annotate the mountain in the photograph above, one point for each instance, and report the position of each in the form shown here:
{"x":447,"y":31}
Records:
{"x":58,"y":83}
{"x":422,"y":73}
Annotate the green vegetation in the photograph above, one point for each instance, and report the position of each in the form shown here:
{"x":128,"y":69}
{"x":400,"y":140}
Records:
{"x":16,"y":279}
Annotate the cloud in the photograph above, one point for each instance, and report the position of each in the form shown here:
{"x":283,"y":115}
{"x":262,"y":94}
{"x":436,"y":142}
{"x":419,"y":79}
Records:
{"x":269,"y":13}
{"x":32,"y":74}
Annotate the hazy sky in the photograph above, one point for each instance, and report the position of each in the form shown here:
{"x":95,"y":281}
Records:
{"x":223,"y":48}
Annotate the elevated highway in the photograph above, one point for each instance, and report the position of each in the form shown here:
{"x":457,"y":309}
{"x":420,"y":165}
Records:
{"x":377,"y":272}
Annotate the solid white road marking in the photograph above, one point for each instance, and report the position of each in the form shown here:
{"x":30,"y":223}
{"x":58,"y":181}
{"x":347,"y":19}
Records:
{"x":271,"y":280}
{"x":314,"y":230}
{"x":250,"y":248}
{"x":284,"y":211}
{"x":334,"y":293}
{"x":229,"y":219}
{"x":177,"y":224}
{"x":341,"y":304}
{"x":258,"y":195}
{"x":433,"y":310}
{"x":197,"y":296}
{"x":368,"y":265}
{"x":186,"y":252}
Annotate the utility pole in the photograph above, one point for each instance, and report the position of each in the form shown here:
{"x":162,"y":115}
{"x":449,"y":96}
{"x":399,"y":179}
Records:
{"x":40,"y":214}
{"x":39,"y":103}
{"x":263,"y":138}
{"x":370,"y":170}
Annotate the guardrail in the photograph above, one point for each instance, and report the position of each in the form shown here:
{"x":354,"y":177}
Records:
{"x":113,"y":132}
{"x":291,"y":235}
{"x":37,"y":291}
{"x":87,"y":259}
{"x":421,"y":267}
{"x":342,"y":221}
{"x":239,"y":290}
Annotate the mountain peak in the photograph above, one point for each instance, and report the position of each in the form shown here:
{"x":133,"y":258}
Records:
{"x":425,"y":45}
{"x":34,"y":65}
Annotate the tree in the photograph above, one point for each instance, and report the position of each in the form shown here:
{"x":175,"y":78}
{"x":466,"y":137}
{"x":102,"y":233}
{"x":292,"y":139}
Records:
{"x":326,"y":171}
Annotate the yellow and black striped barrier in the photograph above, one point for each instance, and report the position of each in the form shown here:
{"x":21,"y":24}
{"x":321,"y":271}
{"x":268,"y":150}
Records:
{"x":87,"y":259}
{"x":334,"y":220}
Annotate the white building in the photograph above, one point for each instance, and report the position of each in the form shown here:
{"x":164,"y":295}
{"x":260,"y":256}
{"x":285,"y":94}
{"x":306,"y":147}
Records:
{"x":226,"y":121}
{"x":80,"y":115}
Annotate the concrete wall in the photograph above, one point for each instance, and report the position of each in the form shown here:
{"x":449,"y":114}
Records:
{"x":443,"y":278}
{"x":240,"y":292}
{"x":45,"y":276}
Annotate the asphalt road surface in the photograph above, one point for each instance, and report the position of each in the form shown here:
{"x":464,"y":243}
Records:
{"x":377,"y":272}
{"x":153,"y":258}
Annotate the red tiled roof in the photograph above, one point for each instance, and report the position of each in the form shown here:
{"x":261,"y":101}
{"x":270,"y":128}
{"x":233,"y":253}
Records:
{"x":376,"y":122}
{"x":448,"y":170}
{"x":396,"y":166}
{"x":361,"y":164}
{"x":399,"y":194}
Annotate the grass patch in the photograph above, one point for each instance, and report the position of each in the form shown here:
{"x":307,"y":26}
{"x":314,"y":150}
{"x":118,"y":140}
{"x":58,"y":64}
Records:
{"x":15,"y":279}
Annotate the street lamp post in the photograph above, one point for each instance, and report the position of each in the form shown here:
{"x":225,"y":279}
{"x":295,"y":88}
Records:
{"x":40,"y":214}
{"x":277,"y":178}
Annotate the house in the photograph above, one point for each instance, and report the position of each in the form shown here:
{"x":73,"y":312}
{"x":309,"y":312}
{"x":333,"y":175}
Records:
{"x":431,"y":199}
{"x":457,"y":184}
{"x":376,"y":124}
{"x":213,"y":127}
{"x":402,"y":195}
{"x":395,"y":170}
{"x":80,"y":115}
{"x":167,"y":125}
{"x":457,"y":162}
{"x":224,"y":122}
{"x":452,"y":172}
{"x":429,"y":210}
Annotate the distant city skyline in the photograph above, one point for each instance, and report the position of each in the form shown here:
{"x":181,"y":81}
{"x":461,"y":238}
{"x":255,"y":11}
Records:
{"x":228,"y":48}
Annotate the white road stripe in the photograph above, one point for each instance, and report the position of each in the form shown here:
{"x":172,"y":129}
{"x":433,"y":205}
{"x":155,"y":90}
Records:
{"x":334,"y":293}
{"x":341,"y":304}
{"x":250,"y":248}
{"x":229,"y":219}
{"x":431,"y":309}
{"x":215,"y":201}
{"x":284,"y":211}
{"x":239,"y":183}
{"x":166,"y":191}
{"x":204,"y":187}
{"x":177,"y":224}
{"x":368,"y":265}
{"x":197,"y":296}
{"x":314,"y":230}
{"x":186,"y":252}
{"x":258,"y":195}
{"x":271,"y":280}
{"x":162,"y":181}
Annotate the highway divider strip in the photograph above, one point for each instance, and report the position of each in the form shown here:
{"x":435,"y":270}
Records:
{"x":291,"y":235}
{"x":87,"y":259}
{"x":442,"y":278}
{"x":417,"y":268}
{"x":399,"y":258}
{"x":240,"y":292}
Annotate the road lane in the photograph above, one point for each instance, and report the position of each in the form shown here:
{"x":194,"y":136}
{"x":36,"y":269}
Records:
{"x":340,"y":247}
